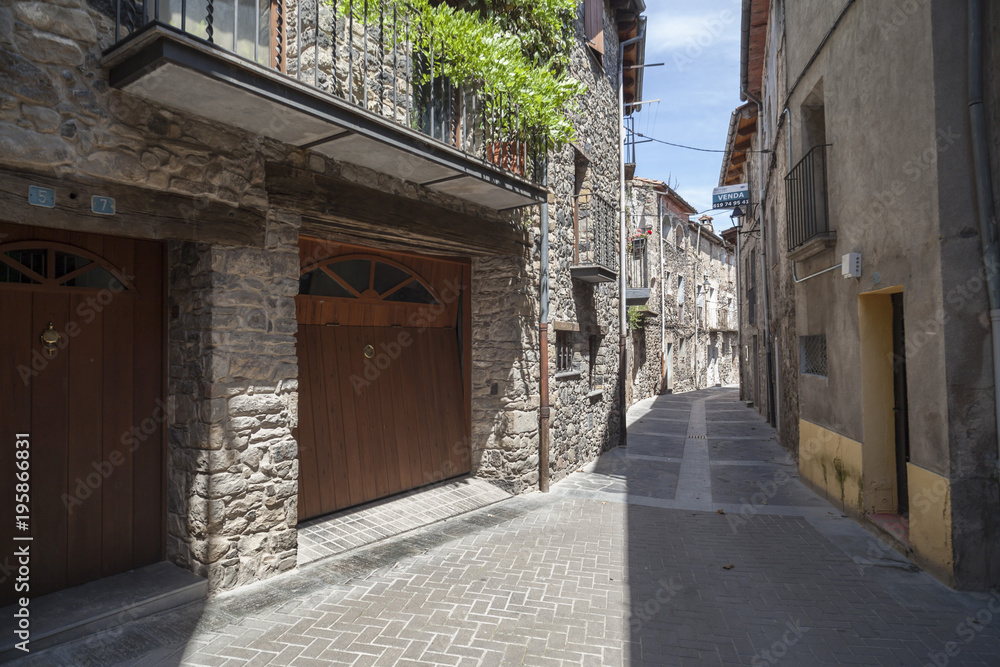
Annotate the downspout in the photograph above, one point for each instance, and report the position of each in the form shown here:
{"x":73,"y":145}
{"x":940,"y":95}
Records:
{"x":622,"y":318}
{"x":663,"y":303}
{"x":739,"y":302}
{"x":984,"y":189}
{"x":543,"y":339}
{"x":694,"y":282}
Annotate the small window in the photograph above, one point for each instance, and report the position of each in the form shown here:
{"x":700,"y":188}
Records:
{"x":594,"y":352}
{"x":564,"y":352}
{"x":812,"y":355}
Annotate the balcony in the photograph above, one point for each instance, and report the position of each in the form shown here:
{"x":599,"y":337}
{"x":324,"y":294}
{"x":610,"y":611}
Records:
{"x":723,"y":321}
{"x":637,"y":275}
{"x":308,"y":73}
{"x":807,"y":209}
{"x":595,"y":256}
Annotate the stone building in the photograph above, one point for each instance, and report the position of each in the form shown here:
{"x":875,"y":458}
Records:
{"x":256,"y":268}
{"x":681,"y":296}
{"x":868,"y":262}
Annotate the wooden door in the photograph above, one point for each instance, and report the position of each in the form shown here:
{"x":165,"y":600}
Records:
{"x":90,"y":401}
{"x":383,"y":394}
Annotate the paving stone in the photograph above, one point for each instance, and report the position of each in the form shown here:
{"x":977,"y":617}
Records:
{"x":572,"y":578}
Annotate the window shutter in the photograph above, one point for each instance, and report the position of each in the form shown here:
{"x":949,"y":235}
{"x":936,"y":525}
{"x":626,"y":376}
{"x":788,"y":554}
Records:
{"x":594,"y":24}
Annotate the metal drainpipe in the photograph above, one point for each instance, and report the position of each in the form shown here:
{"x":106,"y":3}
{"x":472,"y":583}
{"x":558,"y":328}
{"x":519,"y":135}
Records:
{"x":694,"y":282}
{"x":622,"y":318}
{"x":984,"y":189}
{"x":543,"y":340}
{"x":663,"y":302}
{"x":739,"y":302}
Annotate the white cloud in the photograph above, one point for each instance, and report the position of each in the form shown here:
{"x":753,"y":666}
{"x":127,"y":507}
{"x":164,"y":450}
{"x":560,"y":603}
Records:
{"x":691,"y":34}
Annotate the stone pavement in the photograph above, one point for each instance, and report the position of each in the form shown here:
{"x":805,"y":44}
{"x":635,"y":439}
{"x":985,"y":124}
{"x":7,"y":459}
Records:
{"x":628,"y":562}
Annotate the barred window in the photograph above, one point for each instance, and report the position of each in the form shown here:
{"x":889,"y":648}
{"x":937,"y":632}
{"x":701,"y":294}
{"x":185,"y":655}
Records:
{"x":564,"y":352}
{"x":812,"y":355}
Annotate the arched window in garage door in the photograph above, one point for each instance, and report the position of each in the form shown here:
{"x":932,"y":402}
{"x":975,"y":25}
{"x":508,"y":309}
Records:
{"x":367,"y":278}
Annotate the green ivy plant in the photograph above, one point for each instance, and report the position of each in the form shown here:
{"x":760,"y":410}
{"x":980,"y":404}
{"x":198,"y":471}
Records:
{"x":634,"y":315}
{"x":518,"y":50}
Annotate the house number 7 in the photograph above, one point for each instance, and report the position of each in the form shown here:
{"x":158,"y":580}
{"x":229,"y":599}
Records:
{"x":102,"y":205}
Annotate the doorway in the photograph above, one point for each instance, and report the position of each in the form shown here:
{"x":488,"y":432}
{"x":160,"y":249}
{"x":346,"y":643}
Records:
{"x":81,"y":376}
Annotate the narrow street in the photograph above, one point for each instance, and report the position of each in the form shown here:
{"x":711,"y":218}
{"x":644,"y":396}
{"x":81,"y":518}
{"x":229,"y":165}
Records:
{"x":695,"y":546}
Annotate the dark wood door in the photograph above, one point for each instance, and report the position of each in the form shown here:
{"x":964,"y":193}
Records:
{"x":90,"y":402}
{"x":382,"y":395}
{"x":900,"y":404}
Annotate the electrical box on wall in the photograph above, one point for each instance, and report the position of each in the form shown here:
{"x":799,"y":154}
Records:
{"x":851,"y":265}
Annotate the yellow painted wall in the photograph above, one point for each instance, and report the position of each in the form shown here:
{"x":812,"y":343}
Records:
{"x":930,"y":520}
{"x":832,"y":463}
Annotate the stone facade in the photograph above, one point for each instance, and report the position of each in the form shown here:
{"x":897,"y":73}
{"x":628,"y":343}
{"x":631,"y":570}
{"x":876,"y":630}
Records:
{"x":233,"y":465}
{"x":232,"y":458}
{"x":690,"y":316}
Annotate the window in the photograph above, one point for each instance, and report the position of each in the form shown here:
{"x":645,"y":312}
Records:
{"x":594,"y":352}
{"x":361,"y":277}
{"x":594,"y":24}
{"x":680,"y":289}
{"x":50,"y":264}
{"x":679,"y":236}
{"x":812,"y":355}
{"x":564,"y":352}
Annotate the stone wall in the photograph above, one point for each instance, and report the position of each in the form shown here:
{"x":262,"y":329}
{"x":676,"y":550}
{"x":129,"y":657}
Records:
{"x":585,"y":405}
{"x":232,"y":465}
{"x":232,"y":366}
{"x":645,"y":360}
{"x":505,"y":372}
{"x":694,"y":356}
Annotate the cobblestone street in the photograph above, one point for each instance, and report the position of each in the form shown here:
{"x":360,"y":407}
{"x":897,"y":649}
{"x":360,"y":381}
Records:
{"x":694,"y":546}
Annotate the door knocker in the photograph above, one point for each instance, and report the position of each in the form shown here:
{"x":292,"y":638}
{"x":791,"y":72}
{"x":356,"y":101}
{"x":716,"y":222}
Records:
{"x":50,"y":340}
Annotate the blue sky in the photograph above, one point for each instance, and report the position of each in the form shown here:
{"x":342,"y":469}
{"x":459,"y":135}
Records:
{"x":698,"y":88}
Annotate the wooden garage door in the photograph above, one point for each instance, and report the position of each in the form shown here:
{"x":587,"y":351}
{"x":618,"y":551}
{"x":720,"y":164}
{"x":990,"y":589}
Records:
{"x":90,"y":402}
{"x":383,"y":398}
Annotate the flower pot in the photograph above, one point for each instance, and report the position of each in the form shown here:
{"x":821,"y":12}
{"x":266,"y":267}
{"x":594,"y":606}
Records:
{"x":508,"y":155}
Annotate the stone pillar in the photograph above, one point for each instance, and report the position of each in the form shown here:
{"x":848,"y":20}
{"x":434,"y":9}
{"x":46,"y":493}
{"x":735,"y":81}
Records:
{"x":505,"y":371}
{"x":232,"y":460}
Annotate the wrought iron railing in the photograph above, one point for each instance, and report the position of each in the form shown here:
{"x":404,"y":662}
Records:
{"x":596,"y":231}
{"x":367,"y":52}
{"x":638,"y":263}
{"x":806,"y":201}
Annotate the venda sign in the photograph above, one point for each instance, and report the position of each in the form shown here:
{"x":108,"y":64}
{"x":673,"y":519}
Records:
{"x":731,"y":195}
